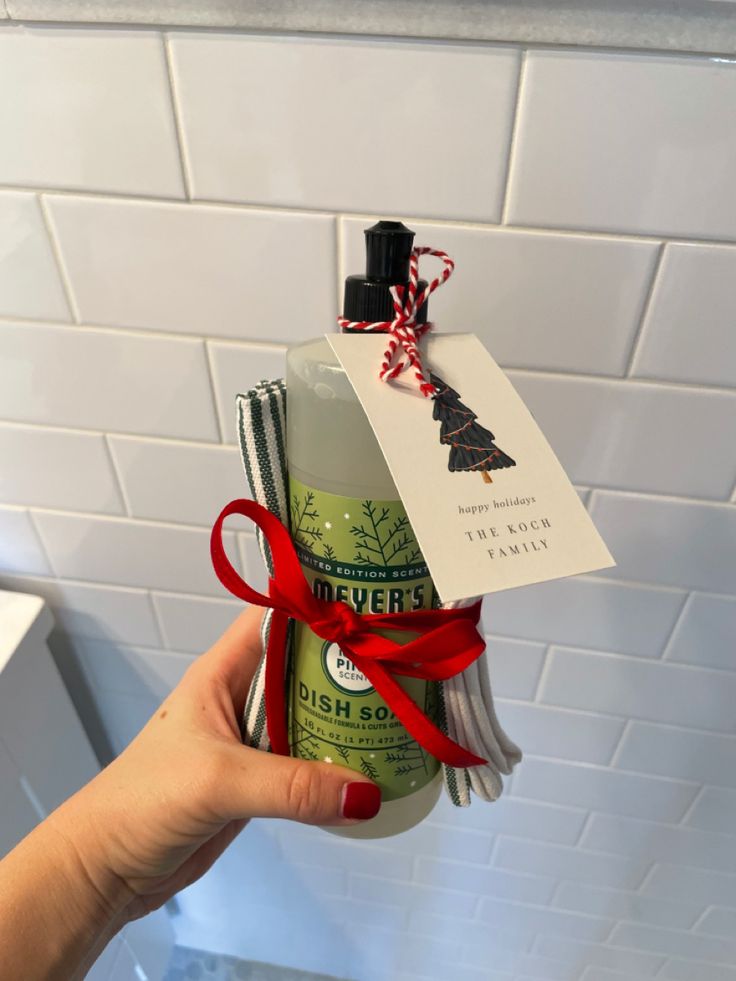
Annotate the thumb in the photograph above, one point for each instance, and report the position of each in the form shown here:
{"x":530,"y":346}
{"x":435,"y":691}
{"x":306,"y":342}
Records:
{"x":266,"y":785}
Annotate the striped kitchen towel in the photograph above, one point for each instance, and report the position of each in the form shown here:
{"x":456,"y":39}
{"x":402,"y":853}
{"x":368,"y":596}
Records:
{"x":466,"y":713}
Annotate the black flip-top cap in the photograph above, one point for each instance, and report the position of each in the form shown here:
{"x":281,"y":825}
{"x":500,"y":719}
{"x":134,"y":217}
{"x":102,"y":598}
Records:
{"x":388,"y":251}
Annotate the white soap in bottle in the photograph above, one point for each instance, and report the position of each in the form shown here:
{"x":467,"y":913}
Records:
{"x":355,"y":544}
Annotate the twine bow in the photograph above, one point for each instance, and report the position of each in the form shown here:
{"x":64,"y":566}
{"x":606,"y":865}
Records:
{"x":447,"y":642}
{"x":404,"y":331}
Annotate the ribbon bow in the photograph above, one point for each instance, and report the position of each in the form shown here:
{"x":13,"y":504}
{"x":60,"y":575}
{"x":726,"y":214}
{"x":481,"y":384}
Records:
{"x":447,"y":642}
{"x":404,"y":330}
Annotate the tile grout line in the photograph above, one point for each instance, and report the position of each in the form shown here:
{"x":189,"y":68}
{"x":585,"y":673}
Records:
{"x":618,"y":749}
{"x":152,"y":198}
{"x":652,"y":238}
{"x":247,"y":536}
{"x":115,"y":587}
{"x":686,"y":603}
{"x":158,"y":333}
{"x":645,"y":879}
{"x":609,"y":937}
{"x":605,"y":652}
{"x":583,"y":830}
{"x":670,"y":498}
{"x":32,"y":518}
{"x":280,"y":346}
{"x":77,"y":635}
{"x":58,"y":258}
{"x":148,"y":522}
{"x":475,"y":917}
{"x":699,"y":920}
{"x":495,"y":845}
{"x":567,"y":763}
{"x":513,"y":135}
{"x":198,"y":444}
{"x":157,"y":619}
{"x":593,"y":652}
{"x":240,"y":553}
{"x":209,"y":598}
{"x":645,"y":308}
{"x":637,"y":381}
{"x":546,"y":668}
{"x":555,"y":894}
{"x":691,"y":806}
{"x":176,"y":114}
{"x":221,"y":443}
{"x":640,"y":584}
{"x":219,"y":422}
{"x":535,"y":944}
{"x":339,"y":261}
{"x":118,"y":475}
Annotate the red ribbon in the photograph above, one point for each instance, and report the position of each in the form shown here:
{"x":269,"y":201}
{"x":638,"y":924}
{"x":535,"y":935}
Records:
{"x":378,"y":658}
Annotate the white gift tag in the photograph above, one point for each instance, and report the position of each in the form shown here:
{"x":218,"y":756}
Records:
{"x":527,"y":524}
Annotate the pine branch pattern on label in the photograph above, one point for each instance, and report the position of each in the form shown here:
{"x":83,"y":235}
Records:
{"x":304,"y":743}
{"x":379,"y":544}
{"x":409,"y":758}
{"x":301,"y":515}
{"x":368,"y":768}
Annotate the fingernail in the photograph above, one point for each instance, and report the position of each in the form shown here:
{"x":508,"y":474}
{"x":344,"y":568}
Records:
{"x":360,"y":800}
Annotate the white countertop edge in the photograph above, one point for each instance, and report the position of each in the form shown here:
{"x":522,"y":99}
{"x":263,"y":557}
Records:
{"x":702,"y":26}
{"x":21,"y":614}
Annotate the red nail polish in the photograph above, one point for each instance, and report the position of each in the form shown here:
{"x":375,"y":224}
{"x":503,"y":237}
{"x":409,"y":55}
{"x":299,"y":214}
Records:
{"x":360,"y":800}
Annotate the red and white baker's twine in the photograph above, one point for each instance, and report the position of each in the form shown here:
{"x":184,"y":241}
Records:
{"x":404,"y":331}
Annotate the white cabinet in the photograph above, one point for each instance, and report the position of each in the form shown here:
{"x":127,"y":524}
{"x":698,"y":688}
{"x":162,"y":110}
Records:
{"x":45,"y":757}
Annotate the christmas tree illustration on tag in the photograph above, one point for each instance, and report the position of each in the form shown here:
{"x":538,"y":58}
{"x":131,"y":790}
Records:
{"x":472,"y":446}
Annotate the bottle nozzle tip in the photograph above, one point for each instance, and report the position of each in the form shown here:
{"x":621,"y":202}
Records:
{"x":388,"y":250}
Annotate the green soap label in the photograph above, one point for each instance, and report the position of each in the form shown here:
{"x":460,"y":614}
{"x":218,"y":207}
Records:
{"x":363,"y":553}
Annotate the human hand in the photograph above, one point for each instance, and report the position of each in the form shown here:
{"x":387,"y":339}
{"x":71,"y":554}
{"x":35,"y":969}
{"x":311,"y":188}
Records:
{"x":157,"y":817}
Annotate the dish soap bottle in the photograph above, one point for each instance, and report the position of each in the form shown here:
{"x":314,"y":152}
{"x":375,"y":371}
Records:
{"x":355,"y":544}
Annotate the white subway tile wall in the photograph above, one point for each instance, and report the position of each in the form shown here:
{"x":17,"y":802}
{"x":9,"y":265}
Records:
{"x":237,"y":368}
{"x":675,"y":752}
{"x":111,"y":613}
{"x":688,"y":333}
{"x":193,"y":623}
{"x":324,"y":104}
{"x":174,"y":210}
{"x":91,"y":112}
{"x":714,"y":810}
{"x":30,"y":281}
{"x":689,"y":971}
{"x":105,"y":380}
{"x":21,"y":547}
{"x":588,"y":612}
{"x":191,"y":269}
{"x":130,"y":553}
{"x":560,"y":733}
{"x":706,"y":632}
{"x":175,"y":482}
{"x":647,"y":427}
{"x":57,"y":468}
{"x":627,"y":962}
{"x":625,"y":143}
{"x":132,"y":670}
{"x":599,"y":282}
{"x":517,"y":665}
